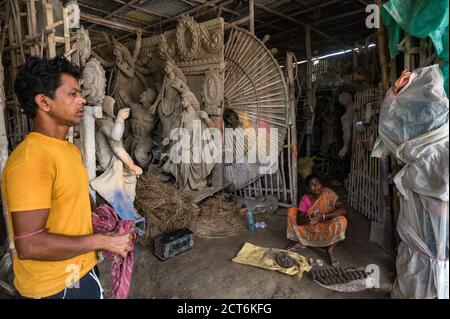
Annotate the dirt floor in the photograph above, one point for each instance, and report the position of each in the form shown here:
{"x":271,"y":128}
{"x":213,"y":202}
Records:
{"x":206,"y":271}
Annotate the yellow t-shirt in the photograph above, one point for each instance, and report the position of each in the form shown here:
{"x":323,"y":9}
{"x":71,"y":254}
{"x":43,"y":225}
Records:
{"x":45,"y":172}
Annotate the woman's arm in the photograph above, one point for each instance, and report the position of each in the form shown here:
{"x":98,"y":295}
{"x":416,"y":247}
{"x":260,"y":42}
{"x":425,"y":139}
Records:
{"x":339,"y":210}
{"x":302,"y":219}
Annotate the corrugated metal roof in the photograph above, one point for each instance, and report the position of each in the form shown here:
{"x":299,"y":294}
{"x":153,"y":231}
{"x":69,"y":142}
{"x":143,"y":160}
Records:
{"x":159,"y":10}
{"x":141,"y":16}
{"x":166,"y":7}
{"x":109,"y":6}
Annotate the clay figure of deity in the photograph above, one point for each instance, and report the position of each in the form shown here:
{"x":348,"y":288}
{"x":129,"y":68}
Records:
{"x":169,"y":110}
{"x":120,"y":172}
{"x":193,"y":174}
{"x":129,"y":82}
{"x":143,"y":119}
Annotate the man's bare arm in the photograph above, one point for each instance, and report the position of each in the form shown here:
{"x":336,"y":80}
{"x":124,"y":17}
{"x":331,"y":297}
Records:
{"x":53,"y":247}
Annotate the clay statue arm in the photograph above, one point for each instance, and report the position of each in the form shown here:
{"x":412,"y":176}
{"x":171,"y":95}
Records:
{"x":103,"y":62}
{"x":153,"y":107}
{"x":125,"y":70}
{"x":116,"y":132}
{"x":205,"y":117}
{"x":138,"y":45}
{"x":122,"y":154}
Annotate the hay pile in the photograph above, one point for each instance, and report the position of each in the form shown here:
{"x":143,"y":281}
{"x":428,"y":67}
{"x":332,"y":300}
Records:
{"x":219,"y":219}
{"x":166,"y":209}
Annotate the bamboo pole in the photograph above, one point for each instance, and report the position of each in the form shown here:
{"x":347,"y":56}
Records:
{"x":251,"y":11}
{"x":293,"y":124}
{"x":17,"y":26}
{"x":3,"y":137}
{"x":33,"y":19}
{"x":51,"y":36}
{"x":5,"y":27}
{"x":381,"y":37}
{"x":14,"y":68}
{"x":309,"y":97}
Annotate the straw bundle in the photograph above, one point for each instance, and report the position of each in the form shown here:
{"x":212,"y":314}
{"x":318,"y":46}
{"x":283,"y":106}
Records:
{"x":167,"y":208}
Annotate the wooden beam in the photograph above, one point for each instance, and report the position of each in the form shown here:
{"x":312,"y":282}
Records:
{"x":303,"y":11}
{"x":299,"y":23}
{"x":108,"y":23}
{"x":106,"y":12}
{"x":111,"y":14}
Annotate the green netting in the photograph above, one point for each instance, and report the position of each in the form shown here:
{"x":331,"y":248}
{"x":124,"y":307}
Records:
{"x":421,"y":19}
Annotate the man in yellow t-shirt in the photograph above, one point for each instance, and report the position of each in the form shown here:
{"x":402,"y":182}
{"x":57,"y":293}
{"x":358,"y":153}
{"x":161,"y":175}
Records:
{"x":46,"y":190}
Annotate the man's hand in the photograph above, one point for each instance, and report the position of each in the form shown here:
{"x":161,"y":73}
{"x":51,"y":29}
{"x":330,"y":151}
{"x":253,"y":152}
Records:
{"x":123,"y":114}
{"x":118,"y":244}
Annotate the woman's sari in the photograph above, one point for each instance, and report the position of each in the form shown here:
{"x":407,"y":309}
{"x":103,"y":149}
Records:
{"x":324,"y":233}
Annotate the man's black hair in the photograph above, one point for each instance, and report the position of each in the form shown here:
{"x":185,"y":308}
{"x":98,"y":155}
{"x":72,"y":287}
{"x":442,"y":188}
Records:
{"x":41,"y":76}
{"x":309,"y":178}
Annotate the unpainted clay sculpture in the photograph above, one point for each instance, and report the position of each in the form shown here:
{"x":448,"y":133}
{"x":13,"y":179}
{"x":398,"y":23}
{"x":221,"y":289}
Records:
{"x":169,"y":109}
{"x":346,"y":100}
{"x":143,"y":119}
{"x":129,"y":82}
{"x":120,"y":172}
{"x":192,"y":175}
{"x":93,"y":90}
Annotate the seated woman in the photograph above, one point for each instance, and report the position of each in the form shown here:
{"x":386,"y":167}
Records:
{"x":319,"y":220}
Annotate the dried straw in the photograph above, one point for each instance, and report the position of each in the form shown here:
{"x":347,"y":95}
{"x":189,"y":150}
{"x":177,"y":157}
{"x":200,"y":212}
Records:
{"x":167,"y":208}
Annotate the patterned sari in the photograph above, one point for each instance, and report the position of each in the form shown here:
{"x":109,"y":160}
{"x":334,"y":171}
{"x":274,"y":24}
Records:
{"x":324,"y":233}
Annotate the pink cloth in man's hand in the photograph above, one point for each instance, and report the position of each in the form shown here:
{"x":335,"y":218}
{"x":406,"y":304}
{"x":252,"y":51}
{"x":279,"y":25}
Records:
{"x":305,"y":204}
{"x":105,"y":219}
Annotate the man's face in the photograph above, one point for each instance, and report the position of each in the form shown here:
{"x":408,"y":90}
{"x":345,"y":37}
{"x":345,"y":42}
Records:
{"x":67,"y":107}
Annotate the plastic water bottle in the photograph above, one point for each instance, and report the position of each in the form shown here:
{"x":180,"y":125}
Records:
{"x":251,"y":220}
